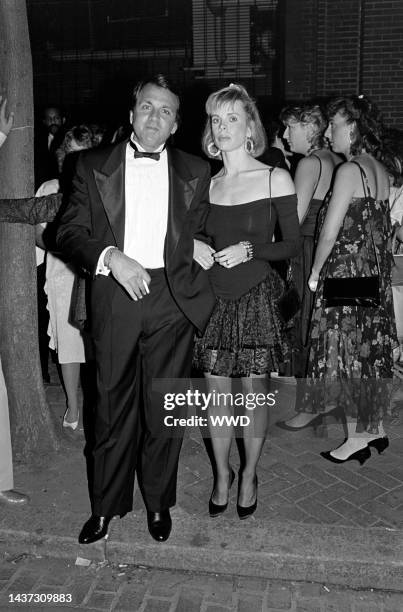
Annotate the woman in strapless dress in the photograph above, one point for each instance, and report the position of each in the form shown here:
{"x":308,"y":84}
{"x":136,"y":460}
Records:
{"x":245,"y":339}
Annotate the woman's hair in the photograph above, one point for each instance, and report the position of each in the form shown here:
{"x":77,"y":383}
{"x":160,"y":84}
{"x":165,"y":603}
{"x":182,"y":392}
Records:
{"x":227,"y":97}
{"x":365,"y":117}
{"x":308,"y":114}
{"x":391,"y":154}
{"x":81,"y":135}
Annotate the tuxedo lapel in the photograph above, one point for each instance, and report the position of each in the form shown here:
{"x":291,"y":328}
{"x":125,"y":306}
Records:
{"x":182,"y":187}
{"x":110,"y":181}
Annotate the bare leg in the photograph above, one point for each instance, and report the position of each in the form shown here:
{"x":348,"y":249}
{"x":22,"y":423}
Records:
{"x":253,"y":438}
{"x":71,"y":377}
{"x":221,"y":437}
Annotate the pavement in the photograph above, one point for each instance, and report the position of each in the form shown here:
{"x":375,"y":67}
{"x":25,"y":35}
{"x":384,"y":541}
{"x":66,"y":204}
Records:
{"x":316,"y":522}
{"x":50,"y":584}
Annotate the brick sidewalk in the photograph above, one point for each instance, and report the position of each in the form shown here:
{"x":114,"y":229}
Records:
{"x":295,"y":482}
{"x":130,"y":588}
{"x":314,"y":521}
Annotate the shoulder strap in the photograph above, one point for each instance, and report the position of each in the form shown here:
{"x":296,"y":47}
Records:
{"x":367,"y":193}
{"x":320,"y":173}
{"x":270,"y":202}
{"x":364,"y":180}
{"x":314,"y":189}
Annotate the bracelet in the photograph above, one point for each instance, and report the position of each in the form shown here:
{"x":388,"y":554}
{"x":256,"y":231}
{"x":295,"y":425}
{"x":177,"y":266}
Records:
{"x":108,"y":257}
{"x":248,"y":248}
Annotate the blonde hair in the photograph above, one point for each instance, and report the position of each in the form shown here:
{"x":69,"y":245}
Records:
{"x":228,"y":96}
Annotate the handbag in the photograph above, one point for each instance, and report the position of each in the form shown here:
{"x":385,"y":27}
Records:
{"x":289,"y":303}
{"x":360,"y":291}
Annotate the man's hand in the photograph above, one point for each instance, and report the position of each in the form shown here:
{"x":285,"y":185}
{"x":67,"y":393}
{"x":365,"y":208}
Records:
{"x":232,"y":255}
{"x":6,"y":122}
{"x":203,"y":254}
{"x":130,"y":274}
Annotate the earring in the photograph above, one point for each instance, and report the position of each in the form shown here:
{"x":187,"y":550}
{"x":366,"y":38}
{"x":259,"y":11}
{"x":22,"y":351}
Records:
{"x":350,"y":137}
{"x":213,"y":150}
{"x":249,"y":145}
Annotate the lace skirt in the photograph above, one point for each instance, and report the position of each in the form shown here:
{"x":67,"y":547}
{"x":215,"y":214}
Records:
{"x":245,"y":336}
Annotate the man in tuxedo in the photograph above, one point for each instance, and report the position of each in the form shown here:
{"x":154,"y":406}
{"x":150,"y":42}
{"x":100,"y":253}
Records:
{"x":131,"y":221}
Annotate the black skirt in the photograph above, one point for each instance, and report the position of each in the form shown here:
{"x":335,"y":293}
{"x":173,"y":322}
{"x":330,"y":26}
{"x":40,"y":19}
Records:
{"x":245,"y":336}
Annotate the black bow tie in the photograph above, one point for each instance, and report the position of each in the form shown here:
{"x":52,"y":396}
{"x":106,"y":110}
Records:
{"x":137,"y":153}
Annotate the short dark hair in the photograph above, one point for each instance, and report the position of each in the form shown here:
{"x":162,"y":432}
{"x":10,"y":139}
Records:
{"x":365,"y":115}
{"x":160,"y":80}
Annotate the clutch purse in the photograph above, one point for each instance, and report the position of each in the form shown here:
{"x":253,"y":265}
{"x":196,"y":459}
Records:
{"x":362,"y":291}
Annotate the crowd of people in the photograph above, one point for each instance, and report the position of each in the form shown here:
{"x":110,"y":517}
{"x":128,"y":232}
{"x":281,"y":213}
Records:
{"x":182,"y":276}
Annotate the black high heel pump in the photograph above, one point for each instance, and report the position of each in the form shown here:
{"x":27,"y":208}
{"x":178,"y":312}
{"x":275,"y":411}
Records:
{"x":245,"y":511}
{"x":217,"y":509}
{"x":380,"y":444}
{"x":336,"y":412}
{"x":361,"y":456}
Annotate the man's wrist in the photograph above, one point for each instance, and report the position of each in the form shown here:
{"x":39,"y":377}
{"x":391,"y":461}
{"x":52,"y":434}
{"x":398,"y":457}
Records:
{"x":108,"y":257}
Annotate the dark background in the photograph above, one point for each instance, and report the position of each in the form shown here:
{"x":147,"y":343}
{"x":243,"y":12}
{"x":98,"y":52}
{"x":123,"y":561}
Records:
{"x":87,"y":54}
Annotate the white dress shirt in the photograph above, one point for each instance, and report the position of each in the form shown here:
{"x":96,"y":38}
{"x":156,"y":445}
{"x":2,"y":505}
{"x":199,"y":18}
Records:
{"x":146,"y":209}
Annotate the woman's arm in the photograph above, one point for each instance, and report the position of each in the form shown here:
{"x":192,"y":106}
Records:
{"x":345,"y":186}
{"x":306,"y":178}
{"x":282,"y":185}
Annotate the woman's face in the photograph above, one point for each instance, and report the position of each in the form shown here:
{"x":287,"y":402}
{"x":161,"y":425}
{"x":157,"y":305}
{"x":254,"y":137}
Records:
{"x":338,"y":133}
{"x":230,"y":127}
{"x":298,"y":135}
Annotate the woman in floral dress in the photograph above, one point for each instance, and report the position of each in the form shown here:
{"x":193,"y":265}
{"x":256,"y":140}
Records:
{"x":350,"y":363}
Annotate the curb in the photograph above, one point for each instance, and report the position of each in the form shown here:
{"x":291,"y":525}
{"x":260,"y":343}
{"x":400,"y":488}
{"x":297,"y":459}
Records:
{"x":280,"y":551}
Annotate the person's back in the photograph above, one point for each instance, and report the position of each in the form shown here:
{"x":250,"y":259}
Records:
{"x":377,"y":177}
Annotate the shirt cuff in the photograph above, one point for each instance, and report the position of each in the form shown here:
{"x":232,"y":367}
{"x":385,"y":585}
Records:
{"x":2,"y":138}
{"x":101,"y":268}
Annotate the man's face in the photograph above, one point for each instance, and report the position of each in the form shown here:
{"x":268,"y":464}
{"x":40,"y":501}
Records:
{"x":53,"y":120}
{"x":154,"y":116}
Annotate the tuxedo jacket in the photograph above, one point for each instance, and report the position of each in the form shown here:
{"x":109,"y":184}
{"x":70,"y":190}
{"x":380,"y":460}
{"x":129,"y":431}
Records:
{"x":94,"y":218}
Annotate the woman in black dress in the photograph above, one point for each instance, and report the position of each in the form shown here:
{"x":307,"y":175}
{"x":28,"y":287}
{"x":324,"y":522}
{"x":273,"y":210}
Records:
{"x":245,"y":338}
{"x":305,"y":129}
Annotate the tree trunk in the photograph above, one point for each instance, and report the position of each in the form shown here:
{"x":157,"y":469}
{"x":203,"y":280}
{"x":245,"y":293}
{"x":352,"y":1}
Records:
{"x":32,"y":428}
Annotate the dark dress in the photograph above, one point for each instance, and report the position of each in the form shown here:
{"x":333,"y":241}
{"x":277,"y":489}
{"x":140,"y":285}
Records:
{"x":350,"y":361}
{"x":245,"y":334}
{"x":301,"y":270}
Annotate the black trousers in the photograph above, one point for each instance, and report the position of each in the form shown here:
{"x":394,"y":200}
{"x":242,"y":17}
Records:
{"x":141,"y":341}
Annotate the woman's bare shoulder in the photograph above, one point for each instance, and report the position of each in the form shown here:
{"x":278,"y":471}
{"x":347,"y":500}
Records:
{"x":282,"y":183}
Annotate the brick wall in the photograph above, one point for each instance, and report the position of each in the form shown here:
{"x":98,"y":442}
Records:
{"x":346,"y":46}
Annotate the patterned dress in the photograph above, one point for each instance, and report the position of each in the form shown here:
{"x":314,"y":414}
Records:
{"x":350,"y":360}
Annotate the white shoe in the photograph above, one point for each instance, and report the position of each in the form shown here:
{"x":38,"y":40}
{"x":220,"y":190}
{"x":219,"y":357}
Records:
{"x":73,"y":425}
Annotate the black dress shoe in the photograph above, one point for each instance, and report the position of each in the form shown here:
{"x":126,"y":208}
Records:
{"x":94,"y":529}
{"x":159,"y":525}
